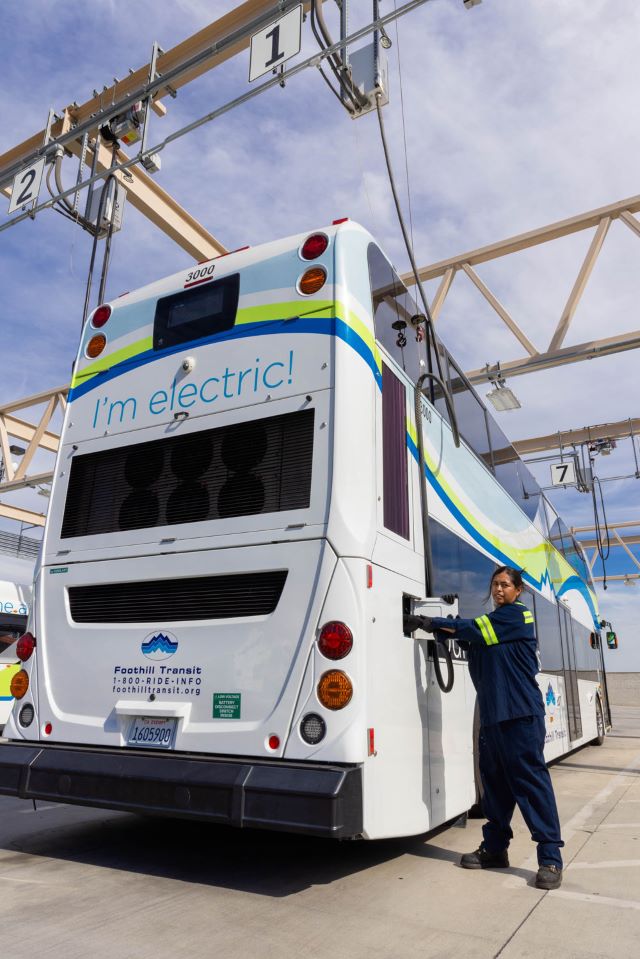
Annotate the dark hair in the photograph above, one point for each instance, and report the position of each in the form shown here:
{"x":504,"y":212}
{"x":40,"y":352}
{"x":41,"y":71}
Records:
{"x":515,"y":575}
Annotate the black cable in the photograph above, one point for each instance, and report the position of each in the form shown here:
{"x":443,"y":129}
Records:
{"x":430,"y":324}
{"x":322,"y":47}
{"x":412,"y":622}
{"x":334,"y":61}
{"x":604,"y":555}
{"x":404,"y":128}
{"x":448,"y":658}
{"x":103,"y":193}
{"x":107,"y":249}
{"x":328,"y":82}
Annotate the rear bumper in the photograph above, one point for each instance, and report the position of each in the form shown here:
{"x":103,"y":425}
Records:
{"x":316,"y":799}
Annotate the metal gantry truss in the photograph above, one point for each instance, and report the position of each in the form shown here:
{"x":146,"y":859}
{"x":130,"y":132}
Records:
{"x":75,"y":130}
{"x":554,"y":354}
{"x":23,"y":441}
{"x":624,"y":541}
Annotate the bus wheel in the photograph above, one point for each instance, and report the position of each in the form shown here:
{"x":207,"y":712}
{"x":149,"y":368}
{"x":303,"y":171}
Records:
{"x":598,"y":741}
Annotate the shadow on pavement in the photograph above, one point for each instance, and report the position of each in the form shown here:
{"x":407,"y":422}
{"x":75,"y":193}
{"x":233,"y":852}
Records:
{"x":264,"y":863}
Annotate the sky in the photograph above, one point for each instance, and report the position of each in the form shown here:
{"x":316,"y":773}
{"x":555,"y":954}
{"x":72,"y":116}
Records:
{"x":502,"y":119}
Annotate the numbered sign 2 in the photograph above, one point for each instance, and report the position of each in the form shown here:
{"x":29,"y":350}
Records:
{"x":563,"y":474}
{"x":278,"y":42}
{"x":26,"y":185}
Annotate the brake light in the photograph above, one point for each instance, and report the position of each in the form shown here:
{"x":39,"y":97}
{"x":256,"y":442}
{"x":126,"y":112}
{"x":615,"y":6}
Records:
{"x":314,"y":246}
{"x":25,"y":646}
{"x":101,"y":315}
{"x":312,"y":280}
{"x":96,"y":345}
{"x":335,"y":640}
{"x":19,"y":684}
{"x":335,"y":689}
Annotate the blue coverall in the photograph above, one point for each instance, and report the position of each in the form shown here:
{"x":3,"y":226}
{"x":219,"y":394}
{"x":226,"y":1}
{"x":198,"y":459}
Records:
{"x":503,"y":663}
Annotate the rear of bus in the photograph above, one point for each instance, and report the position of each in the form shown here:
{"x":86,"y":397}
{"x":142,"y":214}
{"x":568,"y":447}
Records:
{"x":14,"y":609}
{"x":200,"y":605}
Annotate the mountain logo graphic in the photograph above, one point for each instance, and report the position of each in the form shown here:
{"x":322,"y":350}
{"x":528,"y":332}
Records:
{"x":158,"y":646}
{"x":551,"y":702}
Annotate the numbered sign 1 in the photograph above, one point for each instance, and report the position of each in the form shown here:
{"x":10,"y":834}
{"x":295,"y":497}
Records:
{"x":278,"y":42}
{"x":563,"y":474}
{"x":26,"y":185}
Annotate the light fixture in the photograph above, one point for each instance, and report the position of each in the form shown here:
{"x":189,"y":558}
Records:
{"x":385,"y":39}
{"x":502,"y":398}
{"x":16,"y":450}
{"x":629,"y":580}
{"x":471,"y":3}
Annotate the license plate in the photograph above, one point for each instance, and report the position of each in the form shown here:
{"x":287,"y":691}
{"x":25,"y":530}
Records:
{"x":152,"y":732}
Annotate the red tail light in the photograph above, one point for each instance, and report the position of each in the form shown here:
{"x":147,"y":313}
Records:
{"x":101,"y":316}
{"x":335,"y":640}
{"x":314,"y":246}
{"x":25,"y":646}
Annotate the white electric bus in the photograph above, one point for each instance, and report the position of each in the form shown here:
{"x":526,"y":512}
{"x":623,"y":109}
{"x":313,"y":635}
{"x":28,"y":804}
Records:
{"x":236,"y":533}
{"x":14,"y":610}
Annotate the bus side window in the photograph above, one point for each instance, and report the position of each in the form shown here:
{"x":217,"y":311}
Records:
{"x":392,"y":303}
{"x":395,"y":486}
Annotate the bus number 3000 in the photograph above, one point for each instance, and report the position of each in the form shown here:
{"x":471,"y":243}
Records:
{"x":200,"y":274}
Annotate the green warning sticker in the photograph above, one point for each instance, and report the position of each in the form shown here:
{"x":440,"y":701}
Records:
{"x":59,"y":569}
{"x":226,"y":705}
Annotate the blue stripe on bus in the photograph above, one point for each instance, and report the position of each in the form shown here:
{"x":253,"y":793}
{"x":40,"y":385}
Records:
{"x":573,"y":582}
{"x":327,"y":326}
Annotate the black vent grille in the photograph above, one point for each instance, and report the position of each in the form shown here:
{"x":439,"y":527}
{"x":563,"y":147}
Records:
{"x":171,"y":600}
{"x":262,"y":466}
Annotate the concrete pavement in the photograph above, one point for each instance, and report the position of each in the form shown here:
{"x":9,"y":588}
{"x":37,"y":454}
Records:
{"x":77,"y":882}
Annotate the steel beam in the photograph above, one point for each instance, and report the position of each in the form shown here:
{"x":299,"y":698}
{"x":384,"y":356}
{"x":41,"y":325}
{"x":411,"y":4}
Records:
{"x":22,"y":515}
{"x":624,"y":542}
{"x":586,"y":434}
{"x":207,"y":39}
{"x":144,"y":193}
{"x":524,"y":241}
{"x":26,"y":482}
{"x":562,"y":357}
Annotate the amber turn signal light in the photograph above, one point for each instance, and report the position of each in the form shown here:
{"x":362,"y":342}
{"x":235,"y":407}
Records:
{"x":96,"y":345}
{"x":19,"y":684}
{"x":335,"y":689}
{"x":312,"y":280}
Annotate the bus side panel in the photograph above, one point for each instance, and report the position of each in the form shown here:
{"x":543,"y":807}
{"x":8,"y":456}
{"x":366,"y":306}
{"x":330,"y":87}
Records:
{"x":352,"y":521}
{"x":556,"y":742}
{"x":397,"y":787}
{"x":450,"y":725}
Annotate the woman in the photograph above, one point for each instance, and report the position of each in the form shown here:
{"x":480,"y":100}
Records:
{"x":503,"y":663}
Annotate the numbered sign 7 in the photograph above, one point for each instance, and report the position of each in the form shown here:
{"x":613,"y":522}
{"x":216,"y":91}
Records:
{"x":563,"y":474}
{"x":278,"y":42}
{"x":26,"y":185}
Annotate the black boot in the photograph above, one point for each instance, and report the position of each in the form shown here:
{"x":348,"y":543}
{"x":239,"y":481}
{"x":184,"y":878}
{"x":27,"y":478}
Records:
{"x":549,"y":877}
{"x":481,"y":859}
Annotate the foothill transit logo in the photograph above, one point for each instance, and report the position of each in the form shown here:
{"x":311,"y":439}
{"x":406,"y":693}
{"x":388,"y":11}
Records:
{"x":158,"y":646}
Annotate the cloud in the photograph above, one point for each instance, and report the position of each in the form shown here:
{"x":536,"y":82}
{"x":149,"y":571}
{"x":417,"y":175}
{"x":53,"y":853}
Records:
{"x":514,"y":115}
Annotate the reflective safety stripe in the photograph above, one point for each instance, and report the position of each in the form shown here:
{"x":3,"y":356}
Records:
{"x":486,"y":628}
{"x":528,"y":616}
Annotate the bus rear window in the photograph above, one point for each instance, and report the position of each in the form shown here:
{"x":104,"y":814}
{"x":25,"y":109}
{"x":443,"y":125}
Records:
{"x":196,"y":313}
